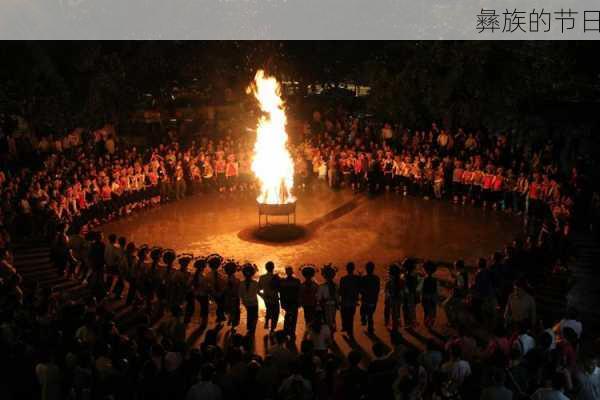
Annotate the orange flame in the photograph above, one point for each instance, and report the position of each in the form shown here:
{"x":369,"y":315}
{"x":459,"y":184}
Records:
{"x":272,"y":163}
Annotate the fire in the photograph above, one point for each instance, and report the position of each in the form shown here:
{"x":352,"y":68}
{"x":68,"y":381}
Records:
{"x":272,"y":163}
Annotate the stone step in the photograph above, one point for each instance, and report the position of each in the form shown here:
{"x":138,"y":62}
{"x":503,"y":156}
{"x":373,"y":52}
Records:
{"x":31,"y":251}
{"x":40,"y":275}
{"x":66,"y":285}
{"x":31,"y":261}
{"x":34,"y":266}
{"x":37,"y":246}
{"x":52,"y":281}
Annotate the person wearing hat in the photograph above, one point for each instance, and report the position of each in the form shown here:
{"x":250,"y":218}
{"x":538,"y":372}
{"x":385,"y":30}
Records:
{"x":369,"y":294}
{"x":349,"y":290}
{"x":231,"y":295}
{"x":308,"y":293}
{"x":268,"y":289}
{"x":454,"y":304}
{"x":152,"y":277}
{"x":289,"y":291}
{"x":216,"y":285}
{"x":200,"y":290}
{"x":248,"y":290}
{"x":136,"y":275}
{"x":182,"y":283}
{"x":166,"y":291}
{"x":327,"y":295}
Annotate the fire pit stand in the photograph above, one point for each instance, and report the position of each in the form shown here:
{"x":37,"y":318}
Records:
{"x":266,"y":210}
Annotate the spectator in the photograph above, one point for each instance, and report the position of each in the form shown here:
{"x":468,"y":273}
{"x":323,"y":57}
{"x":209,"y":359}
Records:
{"x":205,"y":389}
{"x":497,"y":390}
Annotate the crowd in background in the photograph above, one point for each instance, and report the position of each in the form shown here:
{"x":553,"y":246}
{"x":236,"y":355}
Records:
{"x":85,"y":178}
{"x":75,"y":348}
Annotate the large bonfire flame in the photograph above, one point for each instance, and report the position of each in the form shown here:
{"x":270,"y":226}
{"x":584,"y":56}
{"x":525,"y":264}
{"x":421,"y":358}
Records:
{"x":272,"y":163}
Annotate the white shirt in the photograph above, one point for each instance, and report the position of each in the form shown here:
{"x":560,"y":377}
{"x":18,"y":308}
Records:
{"x":526,"y":343}
{"x":548,"y":394}
{"x":573,"y":324}
{"x":589,"y":385}
{"x":458,"y":370}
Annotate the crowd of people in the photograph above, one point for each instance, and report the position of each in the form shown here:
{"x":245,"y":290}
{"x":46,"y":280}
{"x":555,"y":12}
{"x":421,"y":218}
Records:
{"x":73,"y":348}
{"x":86,"y":178}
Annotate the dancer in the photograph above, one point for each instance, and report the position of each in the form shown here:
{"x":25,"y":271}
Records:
{"x":327,"y":295}
{"x":289,"y":291}
{"x":201,"y":290}
{"x":231,"y":295}
{"x":268,"y":289}
{"x":216,"y":285}
{"x":349,"y":291}
{"x":308,"y":293}
{"x":248,"y":293}
{"x":369,"y":295}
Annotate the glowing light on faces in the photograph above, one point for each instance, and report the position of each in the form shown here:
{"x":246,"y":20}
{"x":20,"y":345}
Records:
{"x":272,"y":163}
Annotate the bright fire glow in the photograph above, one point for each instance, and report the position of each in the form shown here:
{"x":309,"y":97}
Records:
{"x":272,"y":163}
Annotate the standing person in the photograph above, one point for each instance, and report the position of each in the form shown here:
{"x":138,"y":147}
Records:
{"x":205,"y":389}
{"x":166,"y":288}
{"x":216,"y":285}
{"x":520,"y":306}
{"x":520,"y":193}
{"x":457,"y":186}
{"x":430,"y":295}
{"x":183,"y":289}
{"x":97,"y":282}
{"x":200,"y":287}
{"x":454,"y":304}
{"x":111,"y":258}
{"x":231,"y":295}
{"x":438,"y":181}
{"x":319,"y":333}
{"x":497,"y":390}
{"x":131,"y":272}
{"x":248,"y":290}
{"x":180,"y":184}
{"x":231,"y":172}
{"x":308,"y":293}
{"x":387,"y":166}
{"x":349,"y":291}
{"x":220,"y":166}
{"x":126,"y":260}
{"x":369,"y":294}
{"x":268,"y":289}
{"x":410,"y":296}
{"x":553,"y":389}
{"x":327,"y":295}
{"x":484,"y":294}
{"x":152,"y":278}
{"x":137,"y":280}
{"x":395,"y":288}
{"x":122,"y":268}
{"x":289,"y":291}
